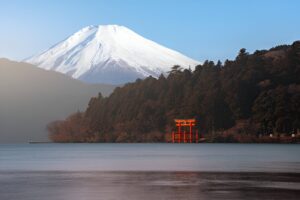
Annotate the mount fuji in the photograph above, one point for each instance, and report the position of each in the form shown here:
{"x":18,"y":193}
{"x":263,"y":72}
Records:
{"x":109,"y":54}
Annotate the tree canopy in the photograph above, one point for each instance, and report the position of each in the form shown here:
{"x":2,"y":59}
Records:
{"x":262,"y":88}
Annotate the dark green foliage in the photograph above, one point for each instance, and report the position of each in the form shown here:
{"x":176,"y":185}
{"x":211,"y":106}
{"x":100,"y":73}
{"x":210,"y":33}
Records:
{"x":278,"y":109}
{"x":262,"y":89}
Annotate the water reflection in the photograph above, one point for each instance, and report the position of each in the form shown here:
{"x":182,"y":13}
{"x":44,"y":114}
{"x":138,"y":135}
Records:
{"x":147,"y":185}
{"x":151,"y":157}
{"x":149,"y":171}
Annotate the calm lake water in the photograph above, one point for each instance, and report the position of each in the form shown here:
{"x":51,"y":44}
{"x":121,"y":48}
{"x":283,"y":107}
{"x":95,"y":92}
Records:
{"x":149,"y":171}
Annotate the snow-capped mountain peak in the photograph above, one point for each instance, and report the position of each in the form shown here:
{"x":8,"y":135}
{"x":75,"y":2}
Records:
{"x":109,"y":54}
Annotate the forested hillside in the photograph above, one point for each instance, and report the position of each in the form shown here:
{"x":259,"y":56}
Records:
{"x":254,"y":95}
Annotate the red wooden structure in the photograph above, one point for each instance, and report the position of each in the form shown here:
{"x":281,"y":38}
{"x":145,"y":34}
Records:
{"x":183,"y":135}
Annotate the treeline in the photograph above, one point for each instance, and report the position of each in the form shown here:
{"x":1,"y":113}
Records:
{"x":254,"y":95}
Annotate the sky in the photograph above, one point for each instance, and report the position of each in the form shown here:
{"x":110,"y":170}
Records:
{"x":203,"y":30}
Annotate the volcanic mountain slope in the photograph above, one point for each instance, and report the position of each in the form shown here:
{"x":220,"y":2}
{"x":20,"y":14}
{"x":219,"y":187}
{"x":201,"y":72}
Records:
{"x":109,"y":54}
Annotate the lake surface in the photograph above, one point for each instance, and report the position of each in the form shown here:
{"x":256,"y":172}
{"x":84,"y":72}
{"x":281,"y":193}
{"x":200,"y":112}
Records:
{"x":149,"y":171}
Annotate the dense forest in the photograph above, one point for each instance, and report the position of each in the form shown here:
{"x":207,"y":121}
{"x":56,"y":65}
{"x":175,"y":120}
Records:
{"x":250,"y":97}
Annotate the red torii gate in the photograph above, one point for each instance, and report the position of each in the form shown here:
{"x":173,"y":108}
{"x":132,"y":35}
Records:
{"x":185,"y":136}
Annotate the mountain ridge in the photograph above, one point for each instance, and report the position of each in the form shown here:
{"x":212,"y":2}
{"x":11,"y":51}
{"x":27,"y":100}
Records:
{"x":31,"y":97}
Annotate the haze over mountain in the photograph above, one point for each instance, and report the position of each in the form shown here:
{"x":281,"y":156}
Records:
{"x":33,"y":97}
{"x":109,"y":54}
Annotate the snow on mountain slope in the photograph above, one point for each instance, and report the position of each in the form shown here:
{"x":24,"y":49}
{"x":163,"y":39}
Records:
{"x":109,"y":54}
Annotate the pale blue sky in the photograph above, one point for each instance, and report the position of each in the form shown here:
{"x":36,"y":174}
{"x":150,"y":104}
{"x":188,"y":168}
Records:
{"x":212,"y":29}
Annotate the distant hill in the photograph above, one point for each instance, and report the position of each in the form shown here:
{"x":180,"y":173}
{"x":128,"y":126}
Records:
{"x":31,"y":97}
{"x":241,"y":100}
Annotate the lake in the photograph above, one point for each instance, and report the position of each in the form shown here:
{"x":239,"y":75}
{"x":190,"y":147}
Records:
{"x":149,"y":171}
